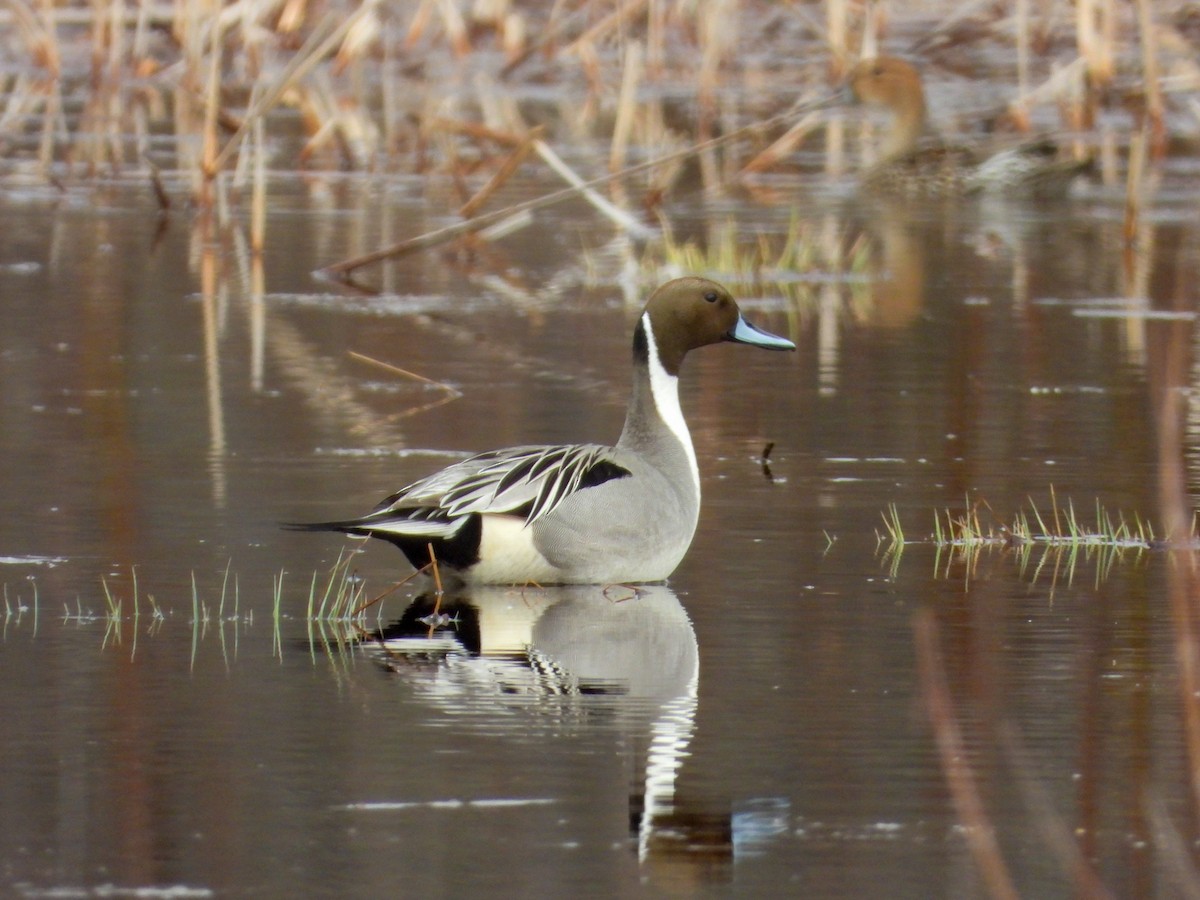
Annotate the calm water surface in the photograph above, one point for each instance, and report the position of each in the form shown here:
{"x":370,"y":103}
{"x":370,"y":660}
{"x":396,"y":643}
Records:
{"x":758,"y":726}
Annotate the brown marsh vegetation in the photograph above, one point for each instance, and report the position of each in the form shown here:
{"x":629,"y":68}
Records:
{"x":204,"y":100}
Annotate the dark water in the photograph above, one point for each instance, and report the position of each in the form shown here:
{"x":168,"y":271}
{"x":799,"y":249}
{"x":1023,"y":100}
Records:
{"x":759,"y":726}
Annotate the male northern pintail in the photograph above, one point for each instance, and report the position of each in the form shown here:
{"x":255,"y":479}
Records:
{"x":578,"y":513}
{"x":914,"y":163}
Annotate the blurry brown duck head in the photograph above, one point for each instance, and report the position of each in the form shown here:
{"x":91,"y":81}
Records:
{"x":894,"y":85}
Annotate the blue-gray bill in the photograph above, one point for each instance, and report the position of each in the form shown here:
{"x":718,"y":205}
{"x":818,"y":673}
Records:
{"x":745,"y":332}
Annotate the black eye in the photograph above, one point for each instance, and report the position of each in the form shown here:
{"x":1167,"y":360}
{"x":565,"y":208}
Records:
{"x":711,"y":296}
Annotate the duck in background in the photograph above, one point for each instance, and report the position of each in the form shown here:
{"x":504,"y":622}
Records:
{"x":913,"y":162}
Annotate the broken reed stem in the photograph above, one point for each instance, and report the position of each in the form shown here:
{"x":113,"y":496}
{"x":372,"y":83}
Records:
{"x":367,"y":604}
{"x":370,"y":360}
{"x":978,"y":831}
{"x":441,"y":235}
{"x":510,"y":165}
{"x":610,"y":210}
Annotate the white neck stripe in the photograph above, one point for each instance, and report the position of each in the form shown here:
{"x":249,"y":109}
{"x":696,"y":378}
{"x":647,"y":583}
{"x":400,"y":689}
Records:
{"x":665,"y":389}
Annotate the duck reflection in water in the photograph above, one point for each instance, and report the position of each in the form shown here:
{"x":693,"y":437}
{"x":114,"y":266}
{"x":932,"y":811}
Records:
{"x":584,"y":655}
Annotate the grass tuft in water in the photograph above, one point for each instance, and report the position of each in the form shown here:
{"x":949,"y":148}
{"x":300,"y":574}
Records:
{"x":1065,"y":537}
{"x":796,"y":265}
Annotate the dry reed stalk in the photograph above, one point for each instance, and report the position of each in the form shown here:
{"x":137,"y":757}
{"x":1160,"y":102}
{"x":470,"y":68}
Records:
{"x":212,"y":102}
{"x":52,"y":122}
{"x":872,"y":26}
{"x":389,"y":91}
{"x":367,"y":604}
{"x":589,"y":65}
{"x":258,"y":323}
{"x":507,"y":168}
{"x":258,"y":201}
{"x":513,"y":36}
{"x":656,"y":38}
{"x":1072,"y":96}
{"x":420,"y":21}
{"x":359,"y":39}
{"x":1095,"y":34}
{"x":456,"y":28}
{"x":626,"y":106}
{"x":211,"y":290}
{"x":323,"y":125}
{"x":477,"y":131}
{"x":116,"y":42}
{"x":320,"y":43}
{"x":449,"y":392}
{"x":99,"y":32}
{"x":505,"y":227}
{"x":977,"y":829}
{"x":625,"y":11}
{"x":616,"y":215}
{"x":292,"y":16}
{"x":39,"y":33}
{"x":1022,"y":17}
{"x":1150,"y":79}
{"x":1134,"y":186}
{"x":713,"y":37}
{"x":437,"y":582}
{"x":508,"y":25}
{"x":554,"y":26}
{"x":784,"y":145}
{"x":835,"y":147}
{"x":498,"y":109}
{"x":837,"y":37}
